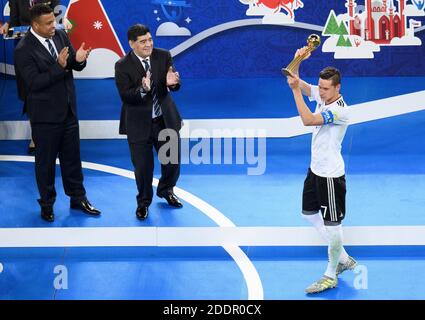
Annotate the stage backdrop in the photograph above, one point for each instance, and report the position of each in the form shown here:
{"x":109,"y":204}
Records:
{"x":252,"y":38}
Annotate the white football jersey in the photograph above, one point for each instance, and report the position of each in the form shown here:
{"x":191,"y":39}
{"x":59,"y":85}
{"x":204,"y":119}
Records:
{"x":326,"y":158}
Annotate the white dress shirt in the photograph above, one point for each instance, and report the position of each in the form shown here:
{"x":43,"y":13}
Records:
{"x":44,"y":43}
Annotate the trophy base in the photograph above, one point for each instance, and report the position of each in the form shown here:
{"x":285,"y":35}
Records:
{"x":286,"y":72}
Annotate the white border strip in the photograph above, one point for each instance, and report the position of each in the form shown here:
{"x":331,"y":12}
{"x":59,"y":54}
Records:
{"x":226,"y":234}
{"x":228,"y":237}
{"x":239,"y":128}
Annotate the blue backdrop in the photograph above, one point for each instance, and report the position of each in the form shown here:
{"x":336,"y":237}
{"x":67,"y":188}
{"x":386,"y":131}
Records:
{"x":257,"y":50}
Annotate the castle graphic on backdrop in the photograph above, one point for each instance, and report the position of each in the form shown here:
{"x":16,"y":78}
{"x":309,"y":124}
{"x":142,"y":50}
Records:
{"x":365,"y":27}
{"x":381,"y":22}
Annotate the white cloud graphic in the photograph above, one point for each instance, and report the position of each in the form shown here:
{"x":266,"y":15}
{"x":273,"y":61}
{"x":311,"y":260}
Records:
{"x":345,"y":17}
{"x":172,"y":29}
{"x":413,"y":11}
{"x":277,"y":18}
{"x":353,"y":53}
{"x":100,"y":64}
{"x":258,"y":11}
{"x":364,"y":50}
{"x":406,"y":41}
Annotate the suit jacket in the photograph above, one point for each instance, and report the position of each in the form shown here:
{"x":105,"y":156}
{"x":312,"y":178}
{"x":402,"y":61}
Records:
{"x":136,"y":112}
{"x":20,"y":11}
{"x":46,"y":88}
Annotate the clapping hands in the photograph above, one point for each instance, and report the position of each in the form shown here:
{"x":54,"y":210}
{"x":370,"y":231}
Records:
{"x":147,"y":82}
{"x":173,"y":77}
{"x":82,"y":53}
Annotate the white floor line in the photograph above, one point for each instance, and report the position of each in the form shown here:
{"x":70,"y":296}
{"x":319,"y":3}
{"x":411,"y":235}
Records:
{"x":228,"y":237}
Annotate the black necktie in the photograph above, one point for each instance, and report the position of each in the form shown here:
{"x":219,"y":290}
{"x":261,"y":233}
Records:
{"x":52,"y":50}
{"x":156,"y":105}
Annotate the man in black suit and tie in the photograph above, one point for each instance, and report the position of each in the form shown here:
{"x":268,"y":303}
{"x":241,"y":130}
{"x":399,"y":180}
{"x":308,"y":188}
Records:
{"x":20,"y":16}
{"x":149,"y":116}
{"x":44,"y":60}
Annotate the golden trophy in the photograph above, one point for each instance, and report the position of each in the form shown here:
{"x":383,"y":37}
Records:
{"x":313,"y":42}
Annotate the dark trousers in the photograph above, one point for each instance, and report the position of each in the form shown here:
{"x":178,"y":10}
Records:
{"x":143,"y":162}
{"x":61,"y":140}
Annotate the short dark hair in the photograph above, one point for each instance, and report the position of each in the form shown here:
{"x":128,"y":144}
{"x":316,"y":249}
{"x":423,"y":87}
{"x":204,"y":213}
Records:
{"x":136,"y":31}
{"x":331,"y":73}
{"x":38,"y":10}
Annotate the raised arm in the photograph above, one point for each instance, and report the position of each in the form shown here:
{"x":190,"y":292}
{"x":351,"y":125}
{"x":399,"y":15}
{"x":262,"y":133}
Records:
{"x":129,"y":92}
{"x":304,"y":86}
{"x":308,"y":118}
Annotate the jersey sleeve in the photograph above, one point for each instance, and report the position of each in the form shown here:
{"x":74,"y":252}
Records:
{"x":315,"y":96}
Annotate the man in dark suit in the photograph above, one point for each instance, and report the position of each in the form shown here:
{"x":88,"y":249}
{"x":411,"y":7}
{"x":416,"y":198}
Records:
{"x":149,"y":116}
{"x":44,"y":60}
{"x":20,"y":16}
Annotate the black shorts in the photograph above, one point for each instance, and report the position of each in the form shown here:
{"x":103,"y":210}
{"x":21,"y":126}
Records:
{"x":326,"y":195}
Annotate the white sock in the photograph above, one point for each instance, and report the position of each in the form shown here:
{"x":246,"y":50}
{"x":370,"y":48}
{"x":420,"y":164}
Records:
{"x":334,"y":249}
{"x":317,"y":221}
{"x":343,"y":258}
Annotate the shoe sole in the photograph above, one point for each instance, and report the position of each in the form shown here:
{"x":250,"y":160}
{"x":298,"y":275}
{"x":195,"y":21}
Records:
{"x":331,"y":287}
{"x":313,"y":292}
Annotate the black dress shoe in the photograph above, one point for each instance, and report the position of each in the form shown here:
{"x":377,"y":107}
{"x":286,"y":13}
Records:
{"x":142,"y":212}
{"x":172,"y":200}
{"x":47,"y":214}
{"x":85,"y":205}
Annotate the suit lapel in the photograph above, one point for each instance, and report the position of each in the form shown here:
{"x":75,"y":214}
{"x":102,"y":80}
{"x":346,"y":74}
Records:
{"x":40,"y":48}
{"x":58,"y":43}
{"x":154,"y":66}
{"x":138,"y":64}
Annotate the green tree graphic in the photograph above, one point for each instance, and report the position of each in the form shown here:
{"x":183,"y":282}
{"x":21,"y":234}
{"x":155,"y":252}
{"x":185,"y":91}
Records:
{"x":348,"y":42}
{"x":342,"y":42}
{"x":342,"y":29}
{"x":331,"y":26}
